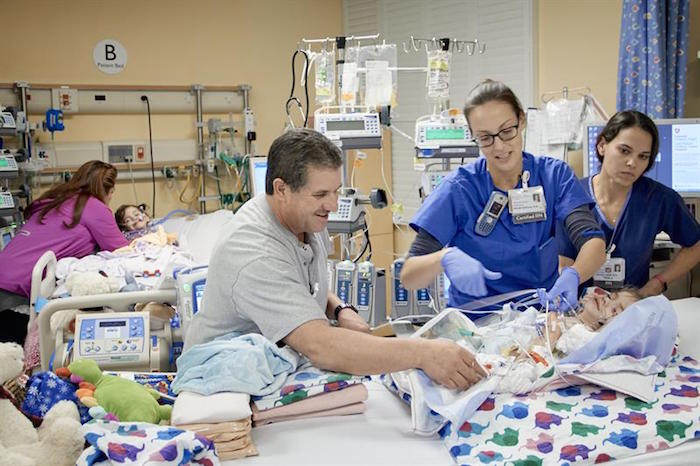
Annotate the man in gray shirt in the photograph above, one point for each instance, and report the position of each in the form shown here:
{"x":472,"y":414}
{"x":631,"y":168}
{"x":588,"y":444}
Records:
{"x":268,"y":275}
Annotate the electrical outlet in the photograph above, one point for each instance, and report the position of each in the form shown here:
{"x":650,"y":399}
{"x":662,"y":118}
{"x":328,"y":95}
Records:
{"x":196,"y":169}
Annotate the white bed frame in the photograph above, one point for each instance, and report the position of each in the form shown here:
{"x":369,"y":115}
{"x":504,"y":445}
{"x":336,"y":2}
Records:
{"x":44,"y":284}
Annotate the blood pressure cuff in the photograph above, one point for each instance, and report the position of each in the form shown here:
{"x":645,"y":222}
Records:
{"x":581,"y":226}
{"x":646,"y":328}
{"x":423,"y":244}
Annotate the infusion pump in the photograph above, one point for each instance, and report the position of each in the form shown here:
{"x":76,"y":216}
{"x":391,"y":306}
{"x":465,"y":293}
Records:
{"x":447,"y":133}
{"x":349,"y":130}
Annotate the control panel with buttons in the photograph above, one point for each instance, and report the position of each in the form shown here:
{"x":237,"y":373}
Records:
{"x":113,"y":339}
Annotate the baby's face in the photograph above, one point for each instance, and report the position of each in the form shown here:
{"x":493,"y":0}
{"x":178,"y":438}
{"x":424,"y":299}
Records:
{"x":134,"y":219}
{"x":599,"y":306}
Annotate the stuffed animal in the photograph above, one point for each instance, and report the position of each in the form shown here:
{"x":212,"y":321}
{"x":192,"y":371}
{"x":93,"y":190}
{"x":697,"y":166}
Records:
{"x":91,"y":283}
{"x":58,"y":441}
{"x":126,"y":399}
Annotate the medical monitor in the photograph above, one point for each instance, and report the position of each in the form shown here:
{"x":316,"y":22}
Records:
{"x":198,"y":294}
{"x":677,"y":164}
{"x":257,"y":169}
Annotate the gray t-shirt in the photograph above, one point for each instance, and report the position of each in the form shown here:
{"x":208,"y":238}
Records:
{"x":261,"y":278}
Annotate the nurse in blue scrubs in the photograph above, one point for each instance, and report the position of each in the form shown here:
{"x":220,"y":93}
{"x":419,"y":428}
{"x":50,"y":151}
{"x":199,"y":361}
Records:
{"x":490,"y":225}
{"x":632,"y":209}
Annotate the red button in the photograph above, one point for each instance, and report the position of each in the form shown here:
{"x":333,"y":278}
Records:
{"x":139,"y":152}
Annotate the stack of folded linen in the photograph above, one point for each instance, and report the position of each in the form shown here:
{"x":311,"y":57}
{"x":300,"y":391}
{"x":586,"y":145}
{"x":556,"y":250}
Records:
{"x":311,"y":392}
{"x":224,"y":418}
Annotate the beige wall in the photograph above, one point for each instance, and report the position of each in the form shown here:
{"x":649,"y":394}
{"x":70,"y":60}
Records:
{"x":168,"y":42}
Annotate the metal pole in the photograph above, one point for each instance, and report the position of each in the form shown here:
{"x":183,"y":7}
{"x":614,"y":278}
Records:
{"x":197,"y":88}
{"x":246,"y":106}
{"x":26,"y":138}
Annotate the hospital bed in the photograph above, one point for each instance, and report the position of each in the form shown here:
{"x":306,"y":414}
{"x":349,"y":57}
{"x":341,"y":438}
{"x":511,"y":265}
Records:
{"x":382,"y":434}
{"x":196,"y":235}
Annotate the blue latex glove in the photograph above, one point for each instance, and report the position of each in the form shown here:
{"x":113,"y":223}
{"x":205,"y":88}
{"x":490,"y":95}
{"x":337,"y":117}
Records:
{"x":565,"y":288}
{"x":466,"y":274}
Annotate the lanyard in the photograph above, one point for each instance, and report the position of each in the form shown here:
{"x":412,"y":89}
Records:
{"x":609,"y":249}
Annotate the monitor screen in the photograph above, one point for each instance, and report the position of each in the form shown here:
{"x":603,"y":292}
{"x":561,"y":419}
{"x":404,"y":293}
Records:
{"x":677,"y":164}
{"x":197,"y":294}
{"x":257,"y":172}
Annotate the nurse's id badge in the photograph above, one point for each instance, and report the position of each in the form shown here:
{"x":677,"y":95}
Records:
{"x":611,"y":275}
{"x":527,"y":204}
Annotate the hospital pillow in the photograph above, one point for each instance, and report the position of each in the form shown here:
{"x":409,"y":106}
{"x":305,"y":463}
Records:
{"x":197,"y":234}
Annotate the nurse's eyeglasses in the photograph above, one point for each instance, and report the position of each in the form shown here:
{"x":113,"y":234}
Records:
{"x":506,"y":134}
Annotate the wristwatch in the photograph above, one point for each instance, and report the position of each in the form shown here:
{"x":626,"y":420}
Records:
{"x":340,"y":307}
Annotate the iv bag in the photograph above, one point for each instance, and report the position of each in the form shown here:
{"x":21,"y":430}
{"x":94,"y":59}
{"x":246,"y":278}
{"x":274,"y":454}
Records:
{"x":349,"y":84}
{"x":378,"y":84}
{"x":438,"y":81}
{"x":325,"y":77}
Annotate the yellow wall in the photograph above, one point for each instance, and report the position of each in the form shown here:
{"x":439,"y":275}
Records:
{"x":168,"y":42}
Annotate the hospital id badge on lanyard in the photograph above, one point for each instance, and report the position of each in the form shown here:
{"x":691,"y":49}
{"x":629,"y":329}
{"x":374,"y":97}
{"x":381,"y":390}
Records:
{"x":527,"y":204}
{"x":611,"y":276}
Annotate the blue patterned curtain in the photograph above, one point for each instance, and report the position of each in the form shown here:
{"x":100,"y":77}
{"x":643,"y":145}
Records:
{"x":653,"y":55}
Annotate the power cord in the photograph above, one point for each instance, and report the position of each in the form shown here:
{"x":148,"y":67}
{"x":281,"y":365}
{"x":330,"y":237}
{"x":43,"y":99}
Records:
{"x":144,"y":98}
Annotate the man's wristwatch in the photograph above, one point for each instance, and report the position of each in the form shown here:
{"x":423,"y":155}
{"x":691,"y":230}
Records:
{"x":340,"y":307}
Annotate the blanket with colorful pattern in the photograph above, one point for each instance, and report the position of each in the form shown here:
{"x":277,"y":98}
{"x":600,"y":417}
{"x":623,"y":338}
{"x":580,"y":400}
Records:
{"x":306,"y":381}
{"x":581,"y":424}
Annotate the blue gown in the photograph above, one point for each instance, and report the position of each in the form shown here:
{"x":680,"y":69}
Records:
{"x":650,"y":209}
{"x":525,"y":254}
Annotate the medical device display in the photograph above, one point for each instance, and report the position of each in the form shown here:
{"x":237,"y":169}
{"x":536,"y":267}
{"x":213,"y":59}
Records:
{"x":444,"y":135}
{"x":8,"y":166}
{"x":6,"y":201}
{"x":355,"y":130}
{"x":349,"y":217}
{"x":401,"y":298}
{"x":677,"y":164}
{"x":257,"y":169}
{"x":6,"y":234}
{"x":7,"y":123}
{"x":119,"y":340}
{"x":190,"y":290}
{"x":344,"y":278}
{"x":431,"y":179}
{"x":489,"y":217}
{"x":422,"y":299}
{"x":370,"y":293}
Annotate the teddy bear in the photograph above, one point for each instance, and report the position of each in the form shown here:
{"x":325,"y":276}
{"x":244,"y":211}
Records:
{"x":58,"y":441}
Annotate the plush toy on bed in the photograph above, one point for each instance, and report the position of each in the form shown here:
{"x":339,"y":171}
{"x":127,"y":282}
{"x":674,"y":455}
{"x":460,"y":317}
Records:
{"x":58,"y":441}
{"x":125,"y":399}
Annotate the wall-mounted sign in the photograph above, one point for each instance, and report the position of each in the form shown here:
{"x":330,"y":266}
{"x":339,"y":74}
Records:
{"x":109,"y":56}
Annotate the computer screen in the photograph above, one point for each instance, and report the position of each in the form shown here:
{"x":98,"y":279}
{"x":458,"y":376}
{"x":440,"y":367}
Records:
{"x":677,"y":164}
{"x":257,"y":171}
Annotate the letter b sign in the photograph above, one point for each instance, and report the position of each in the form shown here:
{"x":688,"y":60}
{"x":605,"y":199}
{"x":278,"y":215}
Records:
{"x":109,"y":56}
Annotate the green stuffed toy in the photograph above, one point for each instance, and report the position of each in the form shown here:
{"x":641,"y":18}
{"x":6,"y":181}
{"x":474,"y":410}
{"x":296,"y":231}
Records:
{"x":128,"y":400}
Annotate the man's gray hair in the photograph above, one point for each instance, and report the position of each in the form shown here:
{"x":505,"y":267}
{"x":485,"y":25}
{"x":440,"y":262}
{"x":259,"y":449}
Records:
{"x":294,"y":152}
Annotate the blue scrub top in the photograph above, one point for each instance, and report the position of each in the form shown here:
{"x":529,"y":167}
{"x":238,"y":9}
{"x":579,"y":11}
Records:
{"x":525,"y":254}
{"x":650,"y":209}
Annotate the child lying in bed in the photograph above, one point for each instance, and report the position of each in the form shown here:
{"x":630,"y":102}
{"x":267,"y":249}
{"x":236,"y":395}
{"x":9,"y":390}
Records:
{"x":135,"y":223}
